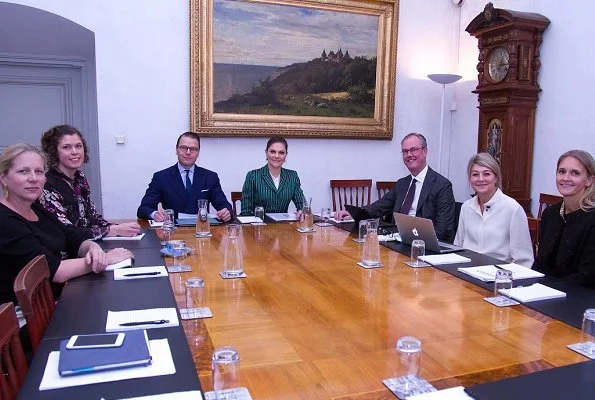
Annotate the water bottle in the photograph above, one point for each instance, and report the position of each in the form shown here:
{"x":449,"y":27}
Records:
{"x":371,"y":249}
{"x":233,"y":261}
{"x":307,"y":217}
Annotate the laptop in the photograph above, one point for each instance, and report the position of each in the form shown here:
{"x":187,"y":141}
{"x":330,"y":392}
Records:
{"x":412,"y":228}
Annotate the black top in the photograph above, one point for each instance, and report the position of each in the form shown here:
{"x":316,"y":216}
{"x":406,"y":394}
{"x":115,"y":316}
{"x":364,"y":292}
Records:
{"x":22,"y":240}
{"x":567,"y":246}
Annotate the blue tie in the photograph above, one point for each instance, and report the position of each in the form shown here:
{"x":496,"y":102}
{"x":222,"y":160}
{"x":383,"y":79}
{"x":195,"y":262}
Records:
{"x":188,"y":183}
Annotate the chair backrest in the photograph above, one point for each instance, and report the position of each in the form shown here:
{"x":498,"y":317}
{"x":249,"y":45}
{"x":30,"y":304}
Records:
{"x":356,"y":192}
{"x":236,"y":196}
{"x":547,"y":200}
{"x":384,"y":187}
{"x":13,"y":365}
{"x":33,"y":291}
{"x":534,"y":232}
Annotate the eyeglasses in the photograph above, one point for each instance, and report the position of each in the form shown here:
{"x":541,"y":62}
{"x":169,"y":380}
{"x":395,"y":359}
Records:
{"x":186,"y":149}
{"x":413,"y":150}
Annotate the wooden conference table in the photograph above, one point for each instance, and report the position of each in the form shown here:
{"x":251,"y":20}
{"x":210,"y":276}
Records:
{"x":311,"y":324}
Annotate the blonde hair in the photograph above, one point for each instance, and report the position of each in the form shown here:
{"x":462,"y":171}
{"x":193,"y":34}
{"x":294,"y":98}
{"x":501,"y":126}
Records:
{"x":11,"y":152}
{"x":587,"y":200}
{"x":487,"y":161}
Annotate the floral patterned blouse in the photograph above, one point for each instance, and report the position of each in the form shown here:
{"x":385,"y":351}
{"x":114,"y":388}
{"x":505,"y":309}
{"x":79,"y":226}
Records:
{"x":70,"y":200}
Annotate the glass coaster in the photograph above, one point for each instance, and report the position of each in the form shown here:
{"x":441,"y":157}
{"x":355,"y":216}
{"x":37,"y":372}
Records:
{"x":361,"y":264}
{"x":203,"y":236}
{"x":323,"y":224}
{"x":501,"y":301}
{"x":582,"y":348}
{"x":240,"y":393}
{"x":242,"y":275}
{"x":359,"y":240}
{"x":406,"y":386}
{"x":413,"y":264}
{"x":179,"y":268}
{"x":195,"y":313}
{"x":300,"y":230}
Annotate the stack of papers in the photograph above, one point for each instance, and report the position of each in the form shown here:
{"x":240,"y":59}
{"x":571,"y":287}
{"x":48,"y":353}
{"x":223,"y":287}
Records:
{"x":249,"y":220}
{"x":282,"y":216}
{"x":487,"y":273}
{"x":440,"y":259}
{"x":535,"y":292}
{"x":454,"y":393}
{"x":118,"y":321}
{"x":140,"y":273}
{"x":341,"y":221}
{"x":137,"y":237}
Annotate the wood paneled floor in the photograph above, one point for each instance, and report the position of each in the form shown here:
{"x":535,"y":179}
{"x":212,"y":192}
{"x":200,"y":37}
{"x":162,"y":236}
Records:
{"x":311,"y":324}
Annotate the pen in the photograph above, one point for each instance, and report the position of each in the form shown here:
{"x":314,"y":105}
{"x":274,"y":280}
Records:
{"x":143,"y":274}
{"x":158,"y":322}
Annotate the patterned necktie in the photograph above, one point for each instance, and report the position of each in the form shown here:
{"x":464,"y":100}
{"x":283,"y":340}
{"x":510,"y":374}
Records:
{"x":188,"y":183}
{"x":408,"y":198}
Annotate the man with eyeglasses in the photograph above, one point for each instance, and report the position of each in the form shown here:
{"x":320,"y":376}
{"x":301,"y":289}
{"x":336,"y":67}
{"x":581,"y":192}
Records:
{"x":424,"y":193}
{"x":180,"y":186}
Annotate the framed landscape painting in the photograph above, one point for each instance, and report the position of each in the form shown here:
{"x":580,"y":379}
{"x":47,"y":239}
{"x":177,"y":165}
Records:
{"x":302,"y":68}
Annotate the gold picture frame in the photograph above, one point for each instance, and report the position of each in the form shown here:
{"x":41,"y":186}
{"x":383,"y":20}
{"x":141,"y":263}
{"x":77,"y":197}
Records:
{"x":253,"y":70}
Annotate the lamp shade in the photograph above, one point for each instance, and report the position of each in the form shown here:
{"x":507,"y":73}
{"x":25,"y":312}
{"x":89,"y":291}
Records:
{"x":444,"y":79}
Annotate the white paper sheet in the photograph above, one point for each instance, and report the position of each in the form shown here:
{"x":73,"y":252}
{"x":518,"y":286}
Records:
{"x":249,"y":220}
{"x":187,"y":216}
{"x":155,"y":224}
{"x":535,"y":292}
{"x":134,"y":273}
{"x":450,"y":258}
{"x":124,"y":263}
{"x":455,"y":393}
{"x":282,"y":216}
{"x":341,"y":221}
{"x":115,"y":318}
{"x":487,"y":273}
{"x":192,"y":395}
{"x":137,"y":237}
{"x":162,"y":364}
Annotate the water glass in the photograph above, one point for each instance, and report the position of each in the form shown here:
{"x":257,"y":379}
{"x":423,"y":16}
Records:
{"x":307,"y":217}
{"x":233,"y":261}
{"x":225,"y":367}
{"x":588,"y":334}
{"x":259,"y":213}
{"x":371,"y":249}
{"x":418,"y":249}
{"x":325,"y":216}
{"x":503,"y":281}
{"x":178,"y":250}
{"x":168,"y":225}
{"x":194,"y":296}
{"x":203,"y":227}
{"x":409,"y":350}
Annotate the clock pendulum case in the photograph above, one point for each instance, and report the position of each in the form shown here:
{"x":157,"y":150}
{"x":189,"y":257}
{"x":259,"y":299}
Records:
{"x":508,"y":90}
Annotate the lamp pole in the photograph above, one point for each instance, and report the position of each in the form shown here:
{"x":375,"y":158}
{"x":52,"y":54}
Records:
{"x":443,"y":79}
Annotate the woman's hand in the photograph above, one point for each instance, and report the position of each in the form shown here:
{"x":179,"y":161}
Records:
{"x":96,"y":259}
{"x":125,"y":229}
{"x":117,"y":255}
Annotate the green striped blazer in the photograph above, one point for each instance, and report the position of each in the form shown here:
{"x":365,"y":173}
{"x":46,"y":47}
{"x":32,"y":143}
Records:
{"x":259,"y":190}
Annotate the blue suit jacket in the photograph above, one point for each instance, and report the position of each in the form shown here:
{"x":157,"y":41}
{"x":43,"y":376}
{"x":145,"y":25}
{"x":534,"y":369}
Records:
{"x":167,"y":188}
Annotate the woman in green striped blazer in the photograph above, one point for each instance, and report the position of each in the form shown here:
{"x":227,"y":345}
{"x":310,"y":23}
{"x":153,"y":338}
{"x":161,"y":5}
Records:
{"x":271,"y":186}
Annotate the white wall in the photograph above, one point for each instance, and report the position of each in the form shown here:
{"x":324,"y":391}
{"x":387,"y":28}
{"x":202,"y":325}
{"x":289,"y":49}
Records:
{"x":143,"y":92}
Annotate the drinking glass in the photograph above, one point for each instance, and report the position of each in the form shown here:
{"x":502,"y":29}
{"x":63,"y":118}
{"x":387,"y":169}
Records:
{"x":418,"y":249}
{"x":233,"y":261}
{"x":588,"y":334}
{"x":409,"y":350}
{"x":178,"y":250}
{"x":307,"y":217}
{"x":371,"y":249}
{"x":503,"y":281}
{"x":203,"y":227}
{"x":259,"y":213}
{"x":194,"y":296}
{"x":225,"y":368}
{"x":168,"y":225}
{"x":325,"y":216}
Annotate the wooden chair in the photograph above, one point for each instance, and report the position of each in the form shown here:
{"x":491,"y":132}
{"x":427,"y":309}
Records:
{"x":384,"y":187}
{"x":13,"y":365}
{"x":236,"y":196}
{"x":546,"y":200}
{"x":33,"y":291}
{"x":356,"y":192}
{"x":534,"y":231}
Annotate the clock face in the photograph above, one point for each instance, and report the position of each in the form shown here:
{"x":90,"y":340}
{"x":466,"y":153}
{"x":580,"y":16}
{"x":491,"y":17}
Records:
{"x":498,"y":64}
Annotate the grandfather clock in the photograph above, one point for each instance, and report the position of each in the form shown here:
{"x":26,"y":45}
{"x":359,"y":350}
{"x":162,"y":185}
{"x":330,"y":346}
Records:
{"x":508,"y":69}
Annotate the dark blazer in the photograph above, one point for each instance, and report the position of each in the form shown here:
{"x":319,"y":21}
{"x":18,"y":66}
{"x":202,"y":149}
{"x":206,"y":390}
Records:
{"x":436,"y":202}
{"x":167,"y":188}
{"x":259,"y":190}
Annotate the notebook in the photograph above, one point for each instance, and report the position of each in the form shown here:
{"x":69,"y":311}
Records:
{"x":535,"y":292}
{"x":133,"y":352}
{"x":487,"y":273}
{"x":412,"y":228}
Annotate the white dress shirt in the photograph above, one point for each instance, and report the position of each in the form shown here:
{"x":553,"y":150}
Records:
{"x":502,"y":231}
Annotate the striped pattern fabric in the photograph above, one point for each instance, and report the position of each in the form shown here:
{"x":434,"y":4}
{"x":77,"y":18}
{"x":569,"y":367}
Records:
{"x":259,"y":190}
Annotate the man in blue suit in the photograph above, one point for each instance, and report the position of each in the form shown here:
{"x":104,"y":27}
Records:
{"x":180,"y":186}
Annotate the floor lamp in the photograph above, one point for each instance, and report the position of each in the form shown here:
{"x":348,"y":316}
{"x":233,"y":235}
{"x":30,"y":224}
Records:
{"x":443,"y":79}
